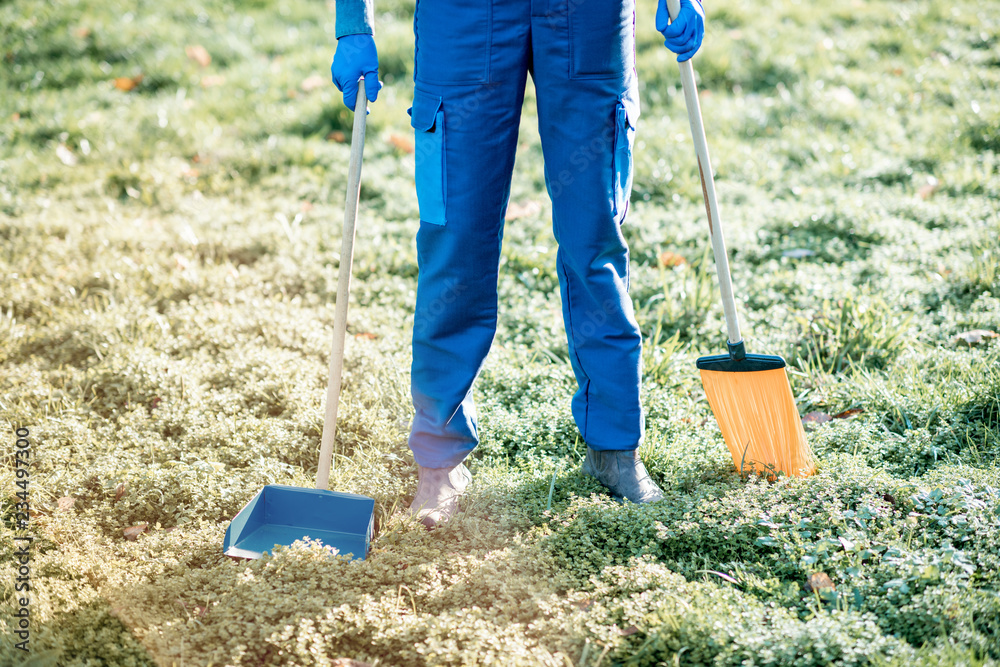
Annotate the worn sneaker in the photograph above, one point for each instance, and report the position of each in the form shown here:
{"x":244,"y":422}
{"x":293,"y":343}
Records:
{"x":623,"y":473}
{"x":438,"y":491}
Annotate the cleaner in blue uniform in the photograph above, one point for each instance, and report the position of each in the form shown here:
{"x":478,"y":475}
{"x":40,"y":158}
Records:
{"x":472,"y":59}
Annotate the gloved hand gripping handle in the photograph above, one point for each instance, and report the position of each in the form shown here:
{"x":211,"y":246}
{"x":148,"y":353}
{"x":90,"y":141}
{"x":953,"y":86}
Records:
{"x":708,"y":190}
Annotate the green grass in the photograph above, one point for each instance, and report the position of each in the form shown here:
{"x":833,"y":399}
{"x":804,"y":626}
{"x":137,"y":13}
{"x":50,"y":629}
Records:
{"x":169,"y":258}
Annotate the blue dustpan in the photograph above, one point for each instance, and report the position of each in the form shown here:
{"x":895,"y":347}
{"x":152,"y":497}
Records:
{"x":281,"y":514}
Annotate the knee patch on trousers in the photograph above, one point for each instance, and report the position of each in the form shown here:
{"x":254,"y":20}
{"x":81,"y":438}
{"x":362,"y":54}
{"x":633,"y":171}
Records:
{"x":427,"y":120}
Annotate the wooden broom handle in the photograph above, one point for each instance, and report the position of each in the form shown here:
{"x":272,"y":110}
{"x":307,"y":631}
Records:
{"x":343,"y":289}
{"x":708,"y":189}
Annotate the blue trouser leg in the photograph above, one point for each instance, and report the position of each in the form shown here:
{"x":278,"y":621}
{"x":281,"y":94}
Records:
{"x":588,"y":105}
{"x":466,"y":112}
{"x":472,"y":59}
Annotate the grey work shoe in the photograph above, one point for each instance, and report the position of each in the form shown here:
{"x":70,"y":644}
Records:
{"x":438,"y":491}
{"x":623,"y":473}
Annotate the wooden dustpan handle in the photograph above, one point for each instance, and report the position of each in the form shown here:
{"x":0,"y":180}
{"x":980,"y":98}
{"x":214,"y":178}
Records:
{"x":343,"y":289}
{"x":708,"y":189}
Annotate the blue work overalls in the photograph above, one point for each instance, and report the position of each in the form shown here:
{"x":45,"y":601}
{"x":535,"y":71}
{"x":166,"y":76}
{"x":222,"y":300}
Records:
{"x":472,"y":59}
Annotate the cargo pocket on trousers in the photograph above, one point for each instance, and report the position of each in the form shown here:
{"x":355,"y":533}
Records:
{"x":427,"y":120}
{"x":626,"y":115}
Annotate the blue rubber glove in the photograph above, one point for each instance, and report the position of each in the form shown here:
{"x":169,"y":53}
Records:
{"x":682,"y":35}
{"x":356,"y":56}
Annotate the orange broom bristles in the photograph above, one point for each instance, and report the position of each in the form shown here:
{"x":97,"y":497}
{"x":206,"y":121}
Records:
{"x":757,"y":416}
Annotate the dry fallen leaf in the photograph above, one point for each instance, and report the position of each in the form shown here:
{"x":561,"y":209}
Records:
{"x":366,"y":335}
{"x":818,"y":581}
{"x":132,"y":532}
{"x":337,"y":136}
{"x":815,"y":418}
{"x":973,"y":337}
{"x":66,"y":503}
{"x":348,"y":662}
{"x":630,"y":630}
{"x":198,"y":54}
{"x":403,"y":142}
{"x":668,"y":258}
{"x":848,"y":413}
{"x":81,"y":32}
{"x":127,"y":83}
{"x":313,"y":82}
{"x":120,"y":491}
{"x":523,"y":209}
